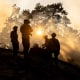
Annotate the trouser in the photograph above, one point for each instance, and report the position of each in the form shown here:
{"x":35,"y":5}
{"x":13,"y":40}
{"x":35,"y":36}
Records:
{"x":26,"y":46}
{"x":15,"y":48}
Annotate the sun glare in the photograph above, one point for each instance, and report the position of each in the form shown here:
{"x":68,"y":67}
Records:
{"x":39,"y":32}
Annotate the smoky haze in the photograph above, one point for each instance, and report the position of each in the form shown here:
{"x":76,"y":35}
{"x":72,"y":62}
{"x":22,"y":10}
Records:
{"x":4,"y":13}
{"x":68,"y":37}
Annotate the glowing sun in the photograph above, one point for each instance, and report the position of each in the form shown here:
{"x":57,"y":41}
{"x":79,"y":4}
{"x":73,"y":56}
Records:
{"x":39,"y":32}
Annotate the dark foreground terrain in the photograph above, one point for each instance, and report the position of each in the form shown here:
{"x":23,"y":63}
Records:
{"x":15,"y":69}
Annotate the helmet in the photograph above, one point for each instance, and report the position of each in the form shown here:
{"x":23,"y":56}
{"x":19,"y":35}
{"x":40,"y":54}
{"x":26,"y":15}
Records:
{"x":26,"y":21}
{"x":45,"y":36}
{"x":15,"y":27}
{"x":53,"y":34}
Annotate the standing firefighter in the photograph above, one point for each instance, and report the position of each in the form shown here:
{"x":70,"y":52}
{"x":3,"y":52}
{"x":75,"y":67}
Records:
{"x":26,"y":32}
{"x":52,"y":46}
{"x":14,"y":40}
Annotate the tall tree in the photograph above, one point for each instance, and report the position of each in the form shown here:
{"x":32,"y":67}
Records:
{"x":56,"y":11}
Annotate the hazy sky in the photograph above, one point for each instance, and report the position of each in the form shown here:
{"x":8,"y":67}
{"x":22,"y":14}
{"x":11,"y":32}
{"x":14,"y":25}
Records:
{"x":71,"y":6}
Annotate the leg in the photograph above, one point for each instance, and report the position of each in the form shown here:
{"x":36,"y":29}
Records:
{"x":56,"y":59}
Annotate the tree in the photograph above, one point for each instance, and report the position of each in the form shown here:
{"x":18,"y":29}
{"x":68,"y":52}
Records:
{"x":56,"y":11}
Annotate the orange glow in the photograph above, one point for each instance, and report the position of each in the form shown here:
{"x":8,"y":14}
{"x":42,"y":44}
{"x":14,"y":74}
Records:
{"x":39,"y":32}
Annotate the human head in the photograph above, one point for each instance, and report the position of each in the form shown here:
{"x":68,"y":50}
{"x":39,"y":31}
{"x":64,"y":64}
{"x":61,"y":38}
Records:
{"x":45,"y":37}
{"x":53,"y":34}
{"x":26,"y":21}
{"x":15,"y":28}
{"x":36,"y":45}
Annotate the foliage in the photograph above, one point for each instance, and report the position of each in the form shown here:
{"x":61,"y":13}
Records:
{"x":56,"y":11}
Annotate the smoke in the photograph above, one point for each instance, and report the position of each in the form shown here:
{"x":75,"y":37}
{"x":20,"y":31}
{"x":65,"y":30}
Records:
{"x":5,"y":11}
{"x":69,"y":40}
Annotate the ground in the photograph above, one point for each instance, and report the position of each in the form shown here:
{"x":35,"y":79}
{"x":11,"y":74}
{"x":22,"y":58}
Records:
{"x":15,"y":69}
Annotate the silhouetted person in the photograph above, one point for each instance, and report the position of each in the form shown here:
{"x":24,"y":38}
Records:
{"x":54,"y":47}
{"x":14,"y":40}
{"x":26,"y":32}
{"x":47,"y":50}
{"x":46,"y":41}
{"x":36,"y":57}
